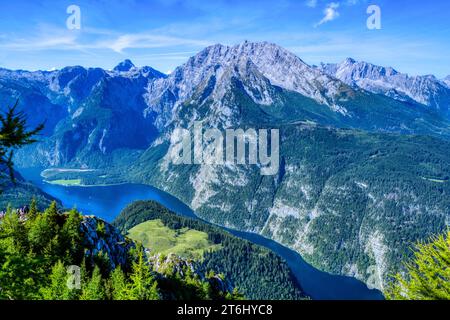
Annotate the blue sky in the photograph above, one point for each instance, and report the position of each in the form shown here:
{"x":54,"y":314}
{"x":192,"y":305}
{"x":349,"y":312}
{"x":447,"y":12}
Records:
{"x":164,"y":33}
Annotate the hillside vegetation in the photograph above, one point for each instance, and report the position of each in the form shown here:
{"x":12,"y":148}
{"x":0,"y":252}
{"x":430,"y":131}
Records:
{"x":257,"y":272}
{"x":426,"y":276}
{"x":185,"y":242}
{"x":19,"y":193}
{"x":345,"y":200}
{"x":37,"y":249}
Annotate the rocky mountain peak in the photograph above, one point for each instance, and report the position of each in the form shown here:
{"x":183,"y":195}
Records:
{"x":362,"y":69}
{"x":261,"y":63}
{"x":426,"y":90}
{"x":124,"y":66}
{"x":349,"y":61}
{"x":447,"y":81}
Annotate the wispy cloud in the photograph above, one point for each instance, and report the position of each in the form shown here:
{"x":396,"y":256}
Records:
{"x":144,"y":41}
{"x":61,"y":39}
{"x":43,"y":43}
{"x":330,"y":13}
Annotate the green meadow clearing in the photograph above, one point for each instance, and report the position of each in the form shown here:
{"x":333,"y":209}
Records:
{"x":66,"y":183}
{"x":186,"y":243}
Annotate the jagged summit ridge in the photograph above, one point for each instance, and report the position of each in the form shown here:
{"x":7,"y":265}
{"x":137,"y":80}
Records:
{"x":124,"y":66}
{"x":95,"y":110}
{"x":426,"y":90}
{"x":447,"y":81}
{"x":281,"y":67}
{"x":258,"y":64}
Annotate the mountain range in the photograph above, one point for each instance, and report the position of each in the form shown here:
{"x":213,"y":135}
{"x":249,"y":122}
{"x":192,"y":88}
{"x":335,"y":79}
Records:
{"x":364,"y":167}
{"x":97,"y":112}
{"x":426,"y":90}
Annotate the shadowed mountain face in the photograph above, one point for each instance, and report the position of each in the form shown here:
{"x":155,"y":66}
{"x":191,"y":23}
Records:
{"x":364,"y":163}
{"x":90,"y":114}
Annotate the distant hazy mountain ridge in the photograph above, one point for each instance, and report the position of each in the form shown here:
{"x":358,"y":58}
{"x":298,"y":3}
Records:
{"x":426,"y":90}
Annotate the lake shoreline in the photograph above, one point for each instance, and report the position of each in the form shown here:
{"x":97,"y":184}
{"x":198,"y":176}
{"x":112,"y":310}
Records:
{"x":86,"y":185}
{"x":106,"y":202}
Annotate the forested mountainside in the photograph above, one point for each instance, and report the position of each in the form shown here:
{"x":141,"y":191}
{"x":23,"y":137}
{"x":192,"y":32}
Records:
{"x":19,"y":193}
{"x":362,"y":174}
{"x":38,"y":248}
{"x":346,"y":200}
{"x":257,"y":272}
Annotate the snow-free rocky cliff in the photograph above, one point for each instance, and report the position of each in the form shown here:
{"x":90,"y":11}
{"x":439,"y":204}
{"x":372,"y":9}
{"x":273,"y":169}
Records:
{"x":106,"y":240}
{"x":447,"y":81}
{"x":262,"y":64}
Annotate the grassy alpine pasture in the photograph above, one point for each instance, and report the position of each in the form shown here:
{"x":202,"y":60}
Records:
{"x":185,"y":242}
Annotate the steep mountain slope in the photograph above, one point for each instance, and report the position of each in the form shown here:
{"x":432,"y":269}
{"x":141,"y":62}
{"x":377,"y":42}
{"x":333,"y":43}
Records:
{"x":447,"y":81}
{"x":346,"y":200}
{"x":426,"y":90}
{"x":90,"y":114}
{"x":27,"y":92}
{"x":280,"y":85}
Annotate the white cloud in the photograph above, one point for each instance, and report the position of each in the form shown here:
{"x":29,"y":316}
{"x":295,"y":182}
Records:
{"x":43,"y":43}
{"x":92,"y":39}
{"x":330,"y":13}
{"x":130,"y":41}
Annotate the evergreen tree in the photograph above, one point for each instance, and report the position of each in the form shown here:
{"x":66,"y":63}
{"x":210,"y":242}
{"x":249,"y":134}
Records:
{"x":101,"y":230}
{"x":102,"y":260}
{"x":40,"y":234}
{"x":58,"y":289}
{"x":118,"y":285}
{"x":143,"y":286}
{"x":14,"y":232}
{"x":51,"y":213}
{"x":427,"y":276}
{"x":235,"y":295}
{"x":33,"y":211}
{"x":20,"y":276}
{"x":71,"y":237}
{"x":13,"y":135}
{"x":54,"y":250}
{"x":51,"y":242}
{"x":94,"y":289}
